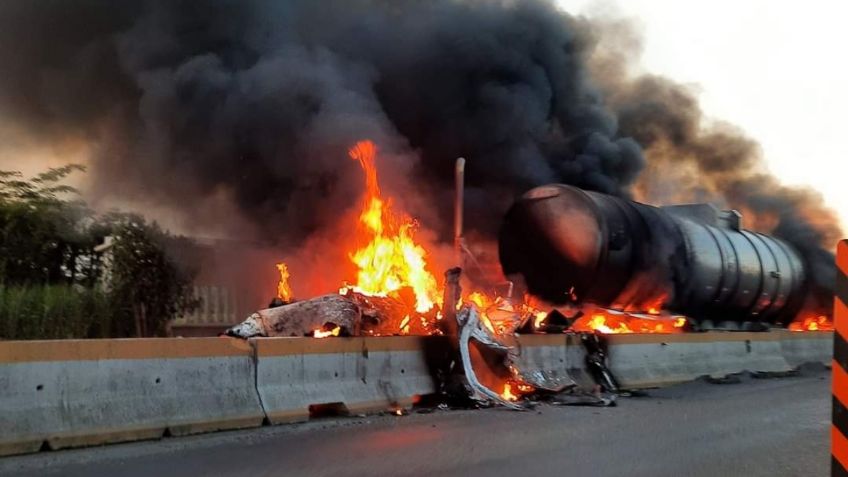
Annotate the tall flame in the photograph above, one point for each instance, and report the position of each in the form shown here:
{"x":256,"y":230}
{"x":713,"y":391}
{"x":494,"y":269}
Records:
{"x":390,"y":258}
{"x":284,"y":291}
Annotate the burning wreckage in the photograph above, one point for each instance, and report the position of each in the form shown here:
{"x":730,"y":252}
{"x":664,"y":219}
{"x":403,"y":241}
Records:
{"x":590,"y":264}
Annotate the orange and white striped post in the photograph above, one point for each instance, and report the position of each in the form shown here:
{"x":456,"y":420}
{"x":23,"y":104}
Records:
{"x":839,"y":423}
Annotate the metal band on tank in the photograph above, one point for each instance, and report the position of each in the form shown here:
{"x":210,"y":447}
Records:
{"x":794,"y":297}
{"x":768,"y":310}
{"x":678,"y":282}
{"x":718,"y":297}
{"x":752,"y":310}
{"x":742,"y":303}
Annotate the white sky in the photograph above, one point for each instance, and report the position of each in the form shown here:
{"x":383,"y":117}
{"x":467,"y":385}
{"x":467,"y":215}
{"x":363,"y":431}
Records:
{"x":777,"y":69}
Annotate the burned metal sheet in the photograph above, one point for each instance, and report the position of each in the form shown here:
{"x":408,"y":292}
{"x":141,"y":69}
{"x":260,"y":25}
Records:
{"x":471,"y":328}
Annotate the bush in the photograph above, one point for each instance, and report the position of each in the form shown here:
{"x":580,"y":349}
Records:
{"x":56,"y":283}
{"x":41,"y":233}
{"x":146,"y":286}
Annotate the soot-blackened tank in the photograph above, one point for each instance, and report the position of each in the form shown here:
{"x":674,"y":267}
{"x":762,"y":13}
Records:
{"x":569,"y":244}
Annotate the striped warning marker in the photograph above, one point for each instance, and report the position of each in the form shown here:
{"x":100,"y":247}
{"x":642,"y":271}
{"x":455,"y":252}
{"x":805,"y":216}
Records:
{"x":839,"y":427}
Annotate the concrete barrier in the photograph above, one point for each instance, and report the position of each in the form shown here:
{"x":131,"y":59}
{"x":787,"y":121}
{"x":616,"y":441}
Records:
{"x":652,"y":360}
{"x":353,"y":375}
{"x":807,"y":348}
{"x":552,"y":361}
{"x":86,"y":392}
{"x":76,"y":392}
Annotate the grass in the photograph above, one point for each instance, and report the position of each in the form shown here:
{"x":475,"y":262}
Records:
{"x":54,"y":312}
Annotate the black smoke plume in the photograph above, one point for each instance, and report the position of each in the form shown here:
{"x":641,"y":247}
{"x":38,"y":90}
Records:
{"x":260,"y":99}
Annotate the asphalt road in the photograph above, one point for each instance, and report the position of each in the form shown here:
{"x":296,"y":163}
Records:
{"x":760,"y":427}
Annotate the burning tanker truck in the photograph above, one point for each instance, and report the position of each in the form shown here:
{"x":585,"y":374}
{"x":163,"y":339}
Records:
{"x":577,"y":262}
{"x":574,"y":245}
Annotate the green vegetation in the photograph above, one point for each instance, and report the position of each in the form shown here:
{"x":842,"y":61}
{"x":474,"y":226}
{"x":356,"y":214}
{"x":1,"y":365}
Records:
{"x":54,"y":312}
{"x":58,"y":281}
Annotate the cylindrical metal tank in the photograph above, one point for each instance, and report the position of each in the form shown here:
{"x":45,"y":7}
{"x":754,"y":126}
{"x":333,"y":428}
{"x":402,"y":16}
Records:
{"x":569,"y":244}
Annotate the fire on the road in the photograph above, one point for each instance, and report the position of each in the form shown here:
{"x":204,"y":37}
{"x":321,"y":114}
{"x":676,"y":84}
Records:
{"x":391,"y":263}
{"x":395,"y":285}
{"x":812,"y":323}
{"x":608,"y":322}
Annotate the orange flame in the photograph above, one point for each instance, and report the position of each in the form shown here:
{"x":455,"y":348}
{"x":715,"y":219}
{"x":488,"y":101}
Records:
{"x":389,"y":261}
{"x":284,"y":291}
{"x":508,"y":394}
{"x":653,"y":307}
{"x":599,"y":323}
{"x":604,"y":321}
{"x":514,"y":389}
{"x":494,"y":309}
{"x":812,"y":323}
{"x":539,"y":318}
{"x":320,"y":333}
{"x":483,"y":303}
{"x":390,"y":258}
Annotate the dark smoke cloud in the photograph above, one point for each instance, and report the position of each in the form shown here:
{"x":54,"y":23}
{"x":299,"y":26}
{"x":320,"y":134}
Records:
{"x":257,"y":101}
{"x":260,"y":100}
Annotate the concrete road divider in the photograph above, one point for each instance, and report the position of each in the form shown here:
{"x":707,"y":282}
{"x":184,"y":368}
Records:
{"x":807,"y":347}
{"x":85,"y":392}
{"x":552,"y":361}
{"x":76,"y":393}
{"x":652,"y":360}
{"x":296,"y":376}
